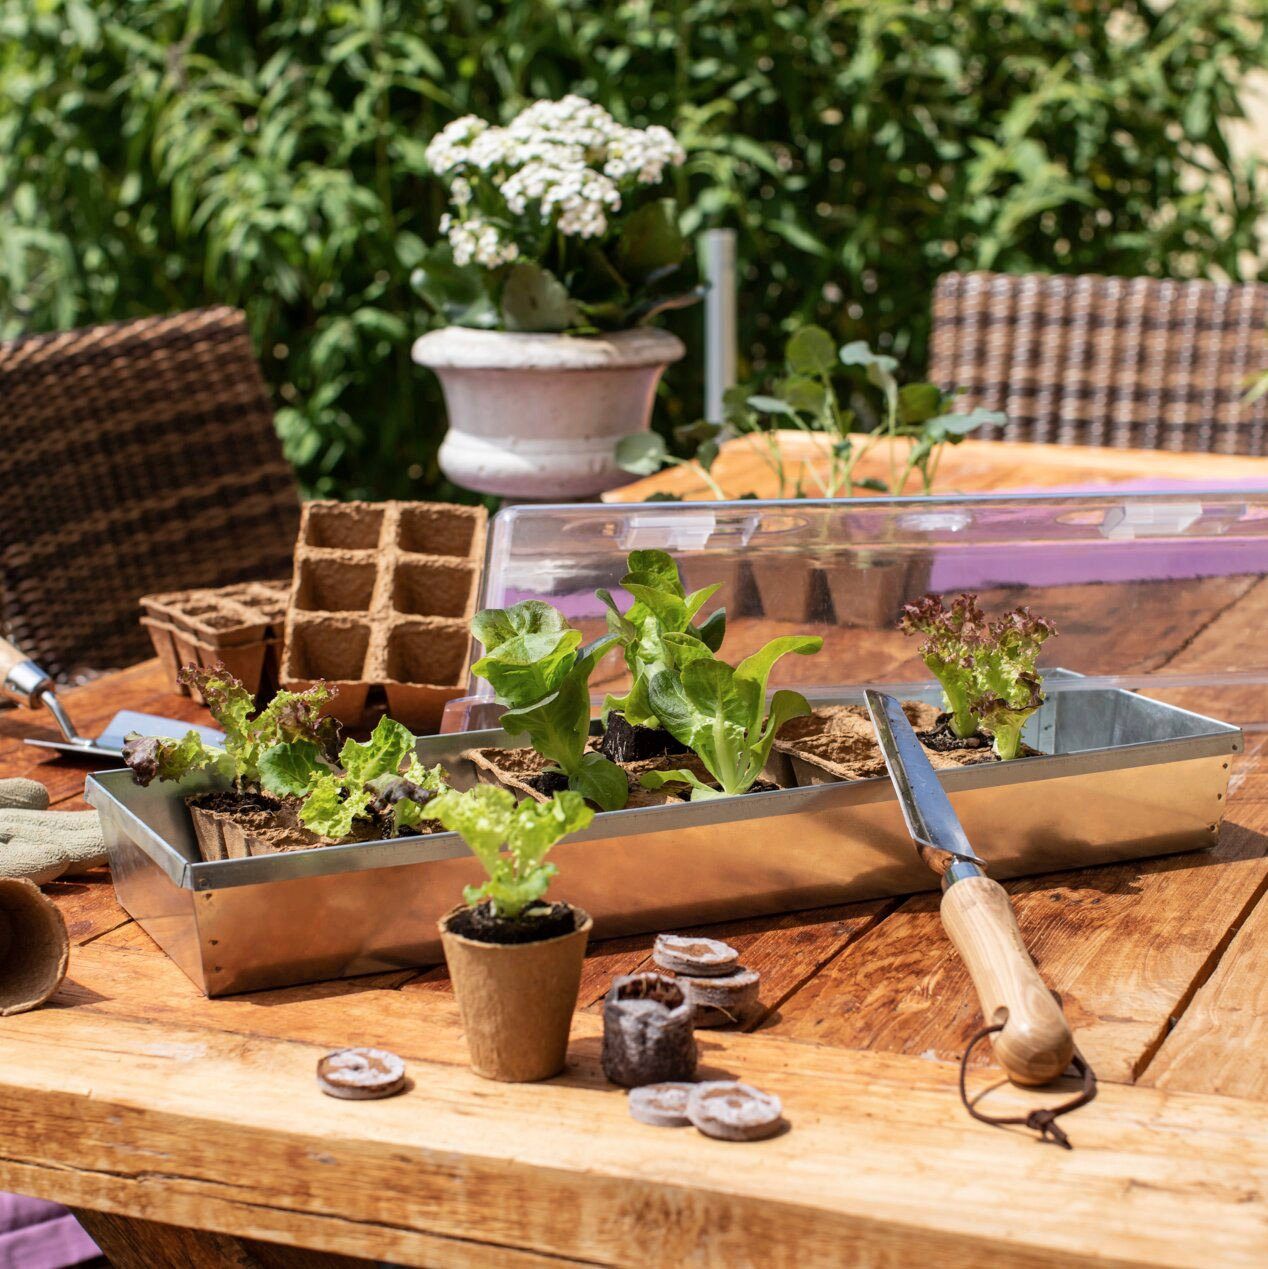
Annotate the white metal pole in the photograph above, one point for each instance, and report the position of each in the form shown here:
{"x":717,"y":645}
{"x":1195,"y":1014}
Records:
{"x":718,"y":251}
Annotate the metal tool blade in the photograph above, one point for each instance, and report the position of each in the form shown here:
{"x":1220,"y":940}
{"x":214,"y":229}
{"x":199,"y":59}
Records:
{"x":931,"y":819}
{"x":110,"y":743}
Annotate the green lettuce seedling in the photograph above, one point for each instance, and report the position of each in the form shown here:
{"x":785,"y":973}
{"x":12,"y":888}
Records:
{"x":511,"y":841}
{"x":720,"y":712}
{"x":535,"y":662}
{"x":661,"y":607}
{"x":987,"y":669}
{"x":292,"y":722}
{"x":369,"y":780}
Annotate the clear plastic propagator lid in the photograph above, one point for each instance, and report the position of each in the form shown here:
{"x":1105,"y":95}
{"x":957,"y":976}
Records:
{"x":1164,"y":593}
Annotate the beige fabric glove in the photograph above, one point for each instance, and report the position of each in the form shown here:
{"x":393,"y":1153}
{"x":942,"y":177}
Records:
{"x":42,"y":845}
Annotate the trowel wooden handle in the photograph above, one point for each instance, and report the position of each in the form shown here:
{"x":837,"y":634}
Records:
{"x":1036,"y":1044}
{"x":25,"y":684}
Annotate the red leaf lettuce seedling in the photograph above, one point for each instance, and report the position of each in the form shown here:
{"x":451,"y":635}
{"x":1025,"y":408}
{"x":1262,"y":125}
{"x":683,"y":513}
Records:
{"x":987,"y":669}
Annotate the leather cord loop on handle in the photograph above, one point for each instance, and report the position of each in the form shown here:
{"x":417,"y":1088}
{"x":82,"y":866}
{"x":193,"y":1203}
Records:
{"x":1042,"y":1121}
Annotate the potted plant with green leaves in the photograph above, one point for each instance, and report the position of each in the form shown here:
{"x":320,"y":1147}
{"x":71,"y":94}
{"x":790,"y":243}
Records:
{"x":514,"y":959}
{"x":558,"y":250}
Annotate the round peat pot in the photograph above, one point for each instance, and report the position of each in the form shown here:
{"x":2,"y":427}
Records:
{"x":537,"y":416}
{"x":34,"y":947}
{"x":516,"y":999}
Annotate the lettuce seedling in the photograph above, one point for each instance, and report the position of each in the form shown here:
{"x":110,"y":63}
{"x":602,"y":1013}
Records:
{"x":1007,"y":687}
{"x":952,"y":637}
{"x":987,"y":669}
{"x":720,"y":712}
{"x":292,"y":721}
{"x":661,"y":607}
{"x":511,"y":841}
{"x":369,"y":781}
{"x":534,"y":661}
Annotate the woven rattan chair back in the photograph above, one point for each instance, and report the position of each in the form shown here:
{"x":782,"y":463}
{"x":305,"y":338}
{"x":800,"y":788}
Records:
{"x":1137,"y":363}
{"x":135,"y":458}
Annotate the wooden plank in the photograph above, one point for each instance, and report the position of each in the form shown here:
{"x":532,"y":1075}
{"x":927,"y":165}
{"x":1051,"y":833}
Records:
{"x":87,"y":905}
{"x":1220,"y":1044}
{"x":1124,"y":946}
{"x":877,"y":1161}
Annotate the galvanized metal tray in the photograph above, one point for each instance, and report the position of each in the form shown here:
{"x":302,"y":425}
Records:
{"x":1121,"y":777}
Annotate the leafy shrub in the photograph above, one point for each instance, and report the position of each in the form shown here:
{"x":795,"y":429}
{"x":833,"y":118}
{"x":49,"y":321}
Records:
{"x":160,"y":154}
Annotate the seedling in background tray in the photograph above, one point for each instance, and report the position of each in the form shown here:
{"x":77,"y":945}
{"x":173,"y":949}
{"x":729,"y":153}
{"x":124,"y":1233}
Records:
{"x":986,"y":668}
{"x":661,"y":607}
{"x":536,"y":665}
{"x":720,"y":711}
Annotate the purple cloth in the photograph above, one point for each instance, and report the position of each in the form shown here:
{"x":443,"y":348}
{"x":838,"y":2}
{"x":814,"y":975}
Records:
{"x":39,"y":1235}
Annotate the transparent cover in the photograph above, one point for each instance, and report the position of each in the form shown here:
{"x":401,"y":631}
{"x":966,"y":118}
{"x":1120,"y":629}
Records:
{"x":1164,"y":593}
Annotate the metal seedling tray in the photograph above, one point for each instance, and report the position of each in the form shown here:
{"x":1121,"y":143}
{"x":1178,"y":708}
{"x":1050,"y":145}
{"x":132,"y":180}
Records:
{"x":1128,"y":777}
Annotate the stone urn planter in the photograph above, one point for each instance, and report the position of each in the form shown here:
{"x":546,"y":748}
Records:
{"x":538,"y":416}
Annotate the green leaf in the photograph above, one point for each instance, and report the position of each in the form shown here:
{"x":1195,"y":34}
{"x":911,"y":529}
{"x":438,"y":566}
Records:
{"x":918,"y":402}
{"x":811,"y":351}
{"x":601,"y":781}
{"x":328,"y":812}
{"x":530,"y":647}
{"x":533,"y":299}
{"x":758,"y":666}
{"x":159,"y":758}
{"x":382,"y":754}
{"x":650,"y":240}
{"x":771,"y":405}
{"x":290,"y":767}
{"x":641,"y":453}
{"x":804,"y":395}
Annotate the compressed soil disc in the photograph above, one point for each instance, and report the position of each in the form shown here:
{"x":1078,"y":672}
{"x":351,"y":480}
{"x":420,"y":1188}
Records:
{"x":361,"y":1074}
{"x":722,"y":1000}
{"x":661,"y":1105}
{"x":731,"y":1111}
{"x":695,"y":957}
{"x":34,"y":947}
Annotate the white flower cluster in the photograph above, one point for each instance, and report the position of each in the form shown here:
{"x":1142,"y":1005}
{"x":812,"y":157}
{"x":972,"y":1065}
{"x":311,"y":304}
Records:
{"x":476,"y":239}
{"x":560,"y":162}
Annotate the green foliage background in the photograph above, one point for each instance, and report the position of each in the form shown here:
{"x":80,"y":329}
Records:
{"x":161,"y":154}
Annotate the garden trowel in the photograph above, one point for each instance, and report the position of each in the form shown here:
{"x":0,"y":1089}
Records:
{"x":22,"y":679}
{"x":1033,"y":1041}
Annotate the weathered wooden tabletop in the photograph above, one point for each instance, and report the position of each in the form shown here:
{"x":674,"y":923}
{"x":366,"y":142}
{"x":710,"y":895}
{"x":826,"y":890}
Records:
{"x":191,"y":1131}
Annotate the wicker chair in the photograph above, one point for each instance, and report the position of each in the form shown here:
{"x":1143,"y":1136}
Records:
{"x":137,"y":457}
{"x":1128,"y":362}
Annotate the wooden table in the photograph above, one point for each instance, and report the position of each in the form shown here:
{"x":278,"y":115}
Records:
{"x":191,"y":1131}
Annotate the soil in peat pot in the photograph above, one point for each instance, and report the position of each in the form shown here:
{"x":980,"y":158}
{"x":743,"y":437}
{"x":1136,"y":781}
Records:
{"x":624,"y":742}
{"x":941,"y":739}
{"x":534,"y":926}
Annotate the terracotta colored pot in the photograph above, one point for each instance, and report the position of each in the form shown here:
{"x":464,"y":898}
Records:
{"x":34,"y":947}
{"x":539,"y":416}
{"x":516,"y":999}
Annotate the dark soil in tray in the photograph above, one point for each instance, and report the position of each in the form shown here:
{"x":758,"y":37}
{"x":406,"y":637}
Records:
{"x":236,"y":804}
{"x":548,"y":783}
{"x":941,"y":739}
{"x":534,"y":926}
{"x":623,"y":742}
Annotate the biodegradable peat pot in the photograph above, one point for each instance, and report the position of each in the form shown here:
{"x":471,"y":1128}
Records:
{"x":539,"y":416}
{"x":34,"y":947}
{"x":516,"y":999}
{"x":872,"y":594}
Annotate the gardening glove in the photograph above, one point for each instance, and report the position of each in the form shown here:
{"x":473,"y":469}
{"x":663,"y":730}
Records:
{"x":42,"y":845}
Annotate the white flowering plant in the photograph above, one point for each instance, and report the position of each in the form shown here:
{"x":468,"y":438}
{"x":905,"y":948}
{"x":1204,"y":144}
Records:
{"x":554,"y":222}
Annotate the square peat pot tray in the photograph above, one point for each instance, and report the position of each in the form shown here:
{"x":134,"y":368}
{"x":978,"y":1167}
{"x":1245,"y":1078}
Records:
{"x":1119,"y":776}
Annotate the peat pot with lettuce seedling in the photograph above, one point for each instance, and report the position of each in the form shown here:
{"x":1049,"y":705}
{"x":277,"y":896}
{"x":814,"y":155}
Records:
{"x":558,"y":252}
{"x":514,"y":959}
{"x":282,"y":780}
